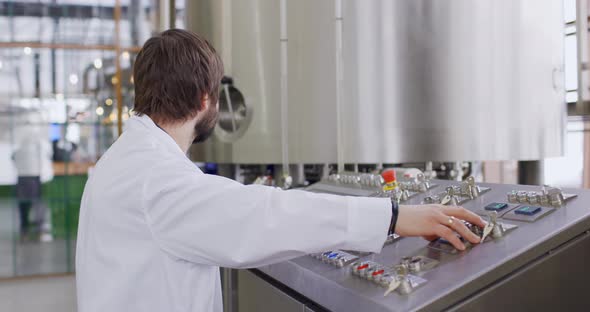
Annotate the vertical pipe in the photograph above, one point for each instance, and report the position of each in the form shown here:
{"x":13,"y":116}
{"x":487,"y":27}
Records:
{"x":53,"y":73}
{"x":118,"y":91}
{"x":582,"y":45}
{"x":300,"y":174}
{"x":284,"y":89}
{"x":339,"y":79}
{"x":325,"y":171}
{"x":37,"y":60}
{"x":172,"y":13}
{"x":164,"y":15}
{"x":15,"y":212}
{"x":582,"y":38}
{"x":586,"y":166}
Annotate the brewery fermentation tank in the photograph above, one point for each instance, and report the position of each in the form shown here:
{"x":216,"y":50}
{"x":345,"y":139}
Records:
{"x":420,"y":80}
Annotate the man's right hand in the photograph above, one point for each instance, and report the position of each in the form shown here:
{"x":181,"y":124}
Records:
{"x":432,"y":221}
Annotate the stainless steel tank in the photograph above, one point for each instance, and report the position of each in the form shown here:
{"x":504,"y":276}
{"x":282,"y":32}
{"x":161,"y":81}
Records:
{"x":421,"y":80}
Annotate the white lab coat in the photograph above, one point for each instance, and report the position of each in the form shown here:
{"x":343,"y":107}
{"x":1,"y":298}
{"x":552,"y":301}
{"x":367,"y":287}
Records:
{"x":154,"y":229}
{"x":32,"y":158}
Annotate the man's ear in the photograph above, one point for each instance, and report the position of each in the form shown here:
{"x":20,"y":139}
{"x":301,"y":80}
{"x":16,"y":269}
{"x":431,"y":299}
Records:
{"x":205,"y":103}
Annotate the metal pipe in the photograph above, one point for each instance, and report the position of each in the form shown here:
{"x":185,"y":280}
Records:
{"x":586,"y":166}
{"x":65,"y":46}
{"x":164,"y":21}
{"x":582,"y":45}
{"x":118,"y":91}
{"x":172,"y":13}
{"x":284,"y":89}
{"x":339,"y":82}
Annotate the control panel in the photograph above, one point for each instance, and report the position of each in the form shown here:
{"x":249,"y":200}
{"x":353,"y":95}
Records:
{"x":336,"y":258}
{"x":455,"y":195}
{"x":547,"y":197}
{"x":409,"y":274}
{"x":401,"y":278}
{"x":523,"y":224}
{"x":375,"y":185}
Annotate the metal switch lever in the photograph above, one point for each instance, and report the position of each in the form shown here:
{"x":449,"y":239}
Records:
{"x":493,"y":227}
{"x":473,"y":189}
{"x":393,"y":285}
{"x":423,"y":184}
{"x":487,"y":230}
{"x":450,"y":198}
{"x":405,"y":286}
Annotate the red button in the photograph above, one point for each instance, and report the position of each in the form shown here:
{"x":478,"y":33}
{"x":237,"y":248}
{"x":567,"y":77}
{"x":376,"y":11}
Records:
{"x":389,"y":176}
{"x":378,"y":272}
{"x":362,"y":266}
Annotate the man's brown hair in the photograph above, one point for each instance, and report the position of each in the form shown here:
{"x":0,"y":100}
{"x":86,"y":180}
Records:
{"x":173,"y":72}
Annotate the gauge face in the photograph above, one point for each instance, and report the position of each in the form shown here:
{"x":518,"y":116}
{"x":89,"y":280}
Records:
{"x":234,"y":115}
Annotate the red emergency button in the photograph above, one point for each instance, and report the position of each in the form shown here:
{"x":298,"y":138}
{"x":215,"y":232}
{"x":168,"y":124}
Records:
{"x":362,"y":266}
{"x":378,"y":272}
{"x":389,"y":176}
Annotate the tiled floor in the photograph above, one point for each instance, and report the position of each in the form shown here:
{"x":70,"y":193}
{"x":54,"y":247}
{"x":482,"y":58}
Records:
{"x":17,"y":259}
{"x":29,"y":258}
{"x":47,"y":294}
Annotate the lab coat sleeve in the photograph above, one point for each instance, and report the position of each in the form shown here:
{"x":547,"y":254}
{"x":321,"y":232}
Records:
{"x":212,"y":220}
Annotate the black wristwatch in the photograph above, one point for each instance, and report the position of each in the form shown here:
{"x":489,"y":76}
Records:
{"x":394,"y":213}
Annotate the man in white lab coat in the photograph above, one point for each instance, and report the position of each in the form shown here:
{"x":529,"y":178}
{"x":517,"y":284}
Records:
{"x":32,"y":159}
{"x":154,"y":229}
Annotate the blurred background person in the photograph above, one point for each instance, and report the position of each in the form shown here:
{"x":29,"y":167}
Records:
{"x":32,"y":158}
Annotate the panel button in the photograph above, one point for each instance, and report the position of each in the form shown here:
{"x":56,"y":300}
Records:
{"x":527,"y":210}
{"x":496,"y":206}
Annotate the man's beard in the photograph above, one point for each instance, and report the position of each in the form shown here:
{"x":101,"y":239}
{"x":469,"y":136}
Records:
{"x":204,"y":129}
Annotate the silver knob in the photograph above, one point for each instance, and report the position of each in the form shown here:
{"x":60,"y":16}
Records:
{"x":555,"y":197}
{"x":521,"y":196}
{"x":532,"y":198}
{"x":405,"y":195}
{"x":423,"y":187}
{"x":415,"y":264}
{"x":544,"y":197}
{"x":450,"y":191}
{"x":406,"y":262}
{"x":512,"y":198}
{"x":429,"y":200}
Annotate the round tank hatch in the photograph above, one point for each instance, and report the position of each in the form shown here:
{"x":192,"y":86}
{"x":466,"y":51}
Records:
{"x":234,"y":115}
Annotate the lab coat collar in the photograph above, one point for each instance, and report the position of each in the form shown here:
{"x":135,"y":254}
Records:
{"x":161,"y":135}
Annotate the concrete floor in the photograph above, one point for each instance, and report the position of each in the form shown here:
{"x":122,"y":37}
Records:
{"x":18,"y":258}
{"x":25,"y":258}
{"x":47,"y":294}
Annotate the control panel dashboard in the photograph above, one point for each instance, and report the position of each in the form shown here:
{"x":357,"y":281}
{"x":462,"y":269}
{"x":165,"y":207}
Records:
{"x":413,"y":274}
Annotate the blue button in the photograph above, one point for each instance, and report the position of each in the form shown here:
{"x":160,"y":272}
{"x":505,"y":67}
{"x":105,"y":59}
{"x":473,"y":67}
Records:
{"x":332,"y":255}
{"x":496,"y":206}
{"x":527,"y":210}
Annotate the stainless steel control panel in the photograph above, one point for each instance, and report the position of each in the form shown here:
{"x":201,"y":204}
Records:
{"x":413,"y":274}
